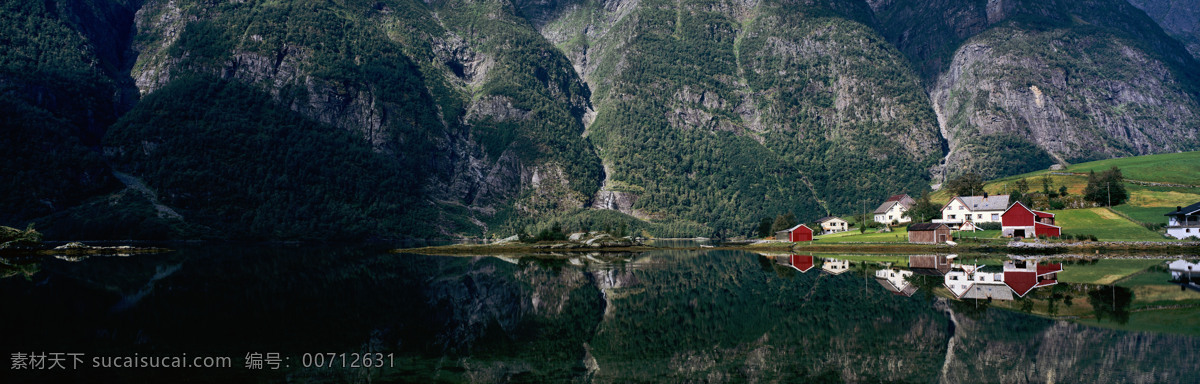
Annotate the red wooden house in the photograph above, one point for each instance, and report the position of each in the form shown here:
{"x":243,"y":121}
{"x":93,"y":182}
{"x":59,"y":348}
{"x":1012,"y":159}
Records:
{"x":1020,"y":221}
{"x":798,"y":233}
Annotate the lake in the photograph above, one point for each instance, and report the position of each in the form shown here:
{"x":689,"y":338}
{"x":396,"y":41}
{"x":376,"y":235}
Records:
{"x":345,"y":314}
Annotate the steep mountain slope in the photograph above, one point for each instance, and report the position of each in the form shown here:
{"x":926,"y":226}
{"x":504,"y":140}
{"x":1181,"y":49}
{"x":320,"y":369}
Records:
{"x":720,"y":111}
{"x":1019,"y":85}
{"x":1180,"y":18}
{"x":60,"y":87}
{"x":460,"y":118}
{"x":467,"y":118}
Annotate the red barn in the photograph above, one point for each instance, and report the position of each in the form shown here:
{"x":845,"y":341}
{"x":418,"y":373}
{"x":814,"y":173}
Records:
{"x":798,"y":233}
{"x":1020,"y":221}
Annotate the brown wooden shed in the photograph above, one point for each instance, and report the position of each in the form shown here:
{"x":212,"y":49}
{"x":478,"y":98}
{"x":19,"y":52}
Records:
{"x":928,"y":233}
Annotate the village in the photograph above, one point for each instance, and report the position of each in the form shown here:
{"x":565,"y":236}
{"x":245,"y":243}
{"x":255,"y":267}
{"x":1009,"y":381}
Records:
{"x":968,"y":216}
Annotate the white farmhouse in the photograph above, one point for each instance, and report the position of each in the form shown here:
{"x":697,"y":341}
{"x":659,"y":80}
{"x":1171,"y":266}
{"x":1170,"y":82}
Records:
{"x":831,"y":224}
{"x":1184,"y":222}
{"x":973,"y":209}
{"x":894,"y":209}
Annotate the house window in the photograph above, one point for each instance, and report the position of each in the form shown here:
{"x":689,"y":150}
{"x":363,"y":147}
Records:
{"x":995,"y":216}
{"x":952,"y":217}
{"x":979,"y":216}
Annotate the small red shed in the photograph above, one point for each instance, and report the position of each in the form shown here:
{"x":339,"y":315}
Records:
{"x":798,"y":233}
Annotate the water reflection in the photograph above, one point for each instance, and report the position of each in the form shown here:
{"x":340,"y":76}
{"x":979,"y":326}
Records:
{"x":670,"y":316}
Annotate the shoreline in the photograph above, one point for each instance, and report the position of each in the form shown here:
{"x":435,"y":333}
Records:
{"x":1020,"y":248}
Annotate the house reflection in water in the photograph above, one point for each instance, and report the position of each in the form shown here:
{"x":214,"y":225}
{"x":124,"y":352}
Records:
{"x":895,"y":280}
{"x":1024,"y":275}
{"x":971,"y":282}
{"x":930,"y":265}
{"x":1019,"y":277}
{"x":801,"y":263}
{"x":835,"y":266}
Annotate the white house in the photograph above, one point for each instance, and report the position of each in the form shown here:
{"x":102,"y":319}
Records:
{"x":831,"y":224}
{"x":894,"y":209}
{"x":1184,"y":222}
{"x":973,"y":209}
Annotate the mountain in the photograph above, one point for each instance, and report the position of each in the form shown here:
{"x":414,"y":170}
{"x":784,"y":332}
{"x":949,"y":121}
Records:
{"x":1180,"y":18}
{"x":400,"y":118}
{"x":1018,"y":85}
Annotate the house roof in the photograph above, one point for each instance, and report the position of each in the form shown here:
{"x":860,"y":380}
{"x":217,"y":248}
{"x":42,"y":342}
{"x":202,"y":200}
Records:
{"x":827,"y":218}
{"x":1045,"y":269}
{"x":988,"y":291}
{"x":1038,"y":214}
{"x":883,"y":208}
{"x":789,"y":230}
{"x":925,"y":226}
{"x":980,"y":203}
{"x":908,"y":290}
{"x":902,"y":199}
{"x":1188,"y":210}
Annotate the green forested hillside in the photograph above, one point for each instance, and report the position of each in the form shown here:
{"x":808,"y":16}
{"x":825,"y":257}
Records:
{"x":465,"y":118}
{"x":56,"y":98}
{"x":224,"y":155}
{"x":722,"y":113}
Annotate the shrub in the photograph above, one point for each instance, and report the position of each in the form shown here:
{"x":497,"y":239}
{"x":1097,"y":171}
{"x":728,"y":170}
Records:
{"x":989,"y":226}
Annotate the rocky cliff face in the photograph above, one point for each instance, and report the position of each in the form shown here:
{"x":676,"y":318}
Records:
{"x":1086,"y":97}
{"x":485,"y":126}
{"x":1055,"y":351}
{"x":1180,"y":18}
{"x":1046,"y":82}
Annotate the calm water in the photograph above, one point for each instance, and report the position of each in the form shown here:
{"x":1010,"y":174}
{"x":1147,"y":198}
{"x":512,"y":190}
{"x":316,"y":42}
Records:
{"x":716,"y":316}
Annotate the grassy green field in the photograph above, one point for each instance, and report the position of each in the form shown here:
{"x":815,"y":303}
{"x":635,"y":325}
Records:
{"x":1144,"y":214}
{"x":1104,"y":224}
{"x":1146,"y":204}
{"x":1184,"y":321}
{"x":897,"y":235}
{"x":1104,"y":271}
{"x":1180,"y":168}
{"x":993,"y":234}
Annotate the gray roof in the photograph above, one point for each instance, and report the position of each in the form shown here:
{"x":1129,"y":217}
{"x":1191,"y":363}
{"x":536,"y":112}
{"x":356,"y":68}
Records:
{"x":990,"y":203}
{"x":908,"y":290}
{"x":1188,"y":210}
{"x":826,"y":218}
{"x":883,"y":208}
{"x":925,"y":226}
{"x":986,"y":291}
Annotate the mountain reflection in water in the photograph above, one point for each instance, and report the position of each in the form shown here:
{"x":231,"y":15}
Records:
{"x":664,"y":316}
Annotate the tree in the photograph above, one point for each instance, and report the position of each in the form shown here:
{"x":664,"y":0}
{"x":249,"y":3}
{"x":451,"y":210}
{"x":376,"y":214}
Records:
{"x":1021,"y":186}
{"x":764,"y":227}
{"x":1062,"y":191}
{"x":1048,"y":186}
{"x":783,"y":222}
{"x":968,"y":184}
{"x":924,"y":210}
{"x":1107,"y":188}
